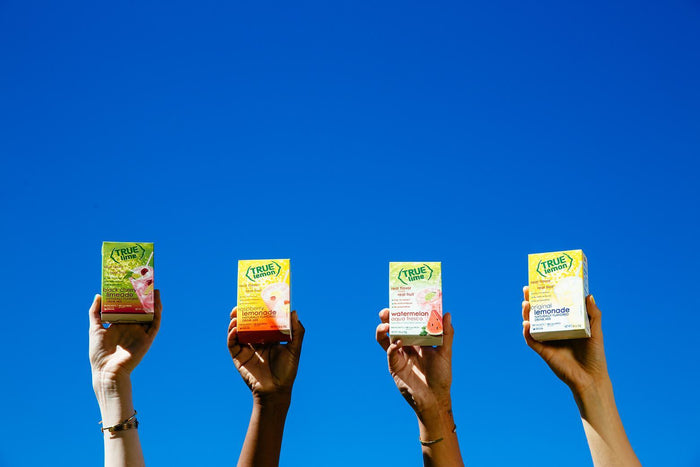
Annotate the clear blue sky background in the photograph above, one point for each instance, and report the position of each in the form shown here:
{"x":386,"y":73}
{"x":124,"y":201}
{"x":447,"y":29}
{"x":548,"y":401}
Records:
{"x":344,"y":135}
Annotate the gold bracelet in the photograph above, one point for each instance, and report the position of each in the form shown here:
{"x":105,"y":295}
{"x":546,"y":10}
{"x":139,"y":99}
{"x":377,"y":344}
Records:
{"x":127,"y":424}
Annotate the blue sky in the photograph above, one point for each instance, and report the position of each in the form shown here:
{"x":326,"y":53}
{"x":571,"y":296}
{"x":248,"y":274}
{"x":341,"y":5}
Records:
{"x":345,"y":135}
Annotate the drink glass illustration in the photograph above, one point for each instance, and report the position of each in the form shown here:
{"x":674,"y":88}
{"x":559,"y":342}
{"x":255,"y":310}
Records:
{"x":430,"y":299}
{"x":142,"y":282}
{"x":276,"y":297}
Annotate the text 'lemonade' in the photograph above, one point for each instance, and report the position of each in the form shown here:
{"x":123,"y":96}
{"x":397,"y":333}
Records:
{"x":264,"y":303}
{"x":558,"y":290}
{"x":415,"y":303}
{"x":127,"y":282}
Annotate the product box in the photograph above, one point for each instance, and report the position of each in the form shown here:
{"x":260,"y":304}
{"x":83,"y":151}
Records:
{"x":127,"y":282}
{"x":558,"y":291}
{"x":264,"y":301}
{"x":415,"y":303}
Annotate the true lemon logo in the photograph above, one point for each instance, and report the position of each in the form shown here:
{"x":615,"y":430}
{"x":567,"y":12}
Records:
{"x":407,"y":275}
{"x":123,"y":254}
{"x":548,"y":266}
{"x":256,"y":272}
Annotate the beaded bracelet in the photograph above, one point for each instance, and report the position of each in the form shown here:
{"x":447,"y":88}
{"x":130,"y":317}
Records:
{"x":127,"y":424}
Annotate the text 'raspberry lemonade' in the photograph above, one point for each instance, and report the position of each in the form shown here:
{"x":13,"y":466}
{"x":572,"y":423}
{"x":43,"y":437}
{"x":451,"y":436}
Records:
{"x":264,"y":301}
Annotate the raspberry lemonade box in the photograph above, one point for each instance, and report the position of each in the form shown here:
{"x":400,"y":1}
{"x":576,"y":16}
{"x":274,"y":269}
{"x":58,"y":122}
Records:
{"x":263,"y":301}
{"x":558,"y":290}
{"x":415,"y":303}
{"x":127,"y":282}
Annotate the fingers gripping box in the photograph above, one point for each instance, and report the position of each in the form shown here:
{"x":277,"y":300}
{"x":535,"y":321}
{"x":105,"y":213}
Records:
{"x":558,"y":291}
{"x":415,"y":303}
{"x":127,"y":282}
{"x":264,"y":301}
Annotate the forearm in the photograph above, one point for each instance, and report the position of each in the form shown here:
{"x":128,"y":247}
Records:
{"x":114,"y":396}
{"x":439,"y":436}
{"x":263,"y":441}
{"x":605,"y":433}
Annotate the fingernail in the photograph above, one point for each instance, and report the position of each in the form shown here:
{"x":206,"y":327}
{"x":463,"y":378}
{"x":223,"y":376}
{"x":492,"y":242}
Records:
{"x":592,"y":299}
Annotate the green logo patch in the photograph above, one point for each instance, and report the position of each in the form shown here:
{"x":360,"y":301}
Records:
{"x":407,"y":275}
{"x":548,"y":266}
{"x":256,"y":272}
{"x":124,"y":254}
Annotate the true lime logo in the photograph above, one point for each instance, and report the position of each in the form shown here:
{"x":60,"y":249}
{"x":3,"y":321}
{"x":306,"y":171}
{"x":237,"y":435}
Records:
{"x":256,"y":272}
{"x":548,"y":266}
{"x":124,"y":254}
{"x":407,"y":275}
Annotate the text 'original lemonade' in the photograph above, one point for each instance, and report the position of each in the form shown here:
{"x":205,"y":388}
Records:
{"x":558,"y":290}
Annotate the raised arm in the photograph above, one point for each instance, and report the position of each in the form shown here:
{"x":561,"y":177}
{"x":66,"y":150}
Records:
{"x":114,"y":353}
{"x":423,"y":375}
{"x":269,"y":371}
{"x":580,"y":363}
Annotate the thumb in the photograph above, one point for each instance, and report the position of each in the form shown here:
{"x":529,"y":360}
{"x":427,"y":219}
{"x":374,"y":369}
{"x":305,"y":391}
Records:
{"x":95,"y":308}
{"x":298,"y":332}
{"x":594,"y":316}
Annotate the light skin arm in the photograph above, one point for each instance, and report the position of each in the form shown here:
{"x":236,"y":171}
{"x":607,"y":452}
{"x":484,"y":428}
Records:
{"x":423,"y":375}
{"x":580,"y":363}
{"x":269,"y":371}
{"x":114,"y":353}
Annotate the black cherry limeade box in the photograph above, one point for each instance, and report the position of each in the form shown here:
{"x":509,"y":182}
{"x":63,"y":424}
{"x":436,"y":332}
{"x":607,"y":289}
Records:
{"x":264,"y":301}
{"x":127,"y":282}
{"x":415,"y":303}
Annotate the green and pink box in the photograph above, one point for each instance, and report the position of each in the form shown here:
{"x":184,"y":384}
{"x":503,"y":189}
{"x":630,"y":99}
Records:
{"x":415,"y":303}
{"x":127,"y":282}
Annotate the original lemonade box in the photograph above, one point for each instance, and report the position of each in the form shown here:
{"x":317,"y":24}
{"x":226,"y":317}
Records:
{"x":415,"y":303}
{"x":264,"y":301}
{"x":558,"y":291}
{"x":127,"y":282}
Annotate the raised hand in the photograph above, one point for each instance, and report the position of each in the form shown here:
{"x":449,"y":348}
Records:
{"x":423,"y":375}
{"x":118,"y":349}
{"x":577,"y":362}
{"x":580,"y":363}
{"x":114,"y":353}
{"x":267,"y":369}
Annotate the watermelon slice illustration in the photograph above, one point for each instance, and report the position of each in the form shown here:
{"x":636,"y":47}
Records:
{"x":434,"y":326}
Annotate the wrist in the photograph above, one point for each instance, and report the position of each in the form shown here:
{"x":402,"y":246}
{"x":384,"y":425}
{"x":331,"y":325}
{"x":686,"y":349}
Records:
{"x":436,"y":419}
{"x":113,"y":393}
{"x":110,"y":383}
{"x":277,"y":400}
{"x":598,"y":393}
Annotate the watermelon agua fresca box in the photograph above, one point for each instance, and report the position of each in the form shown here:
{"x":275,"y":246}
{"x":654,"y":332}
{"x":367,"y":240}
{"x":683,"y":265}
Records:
{"x":415,"y":303}
{"x":558,"y":291}
{"x":127,"y":282}
{"x":264,"y":301}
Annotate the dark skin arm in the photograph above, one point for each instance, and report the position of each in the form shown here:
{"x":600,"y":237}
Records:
{"x":269,"y":371}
